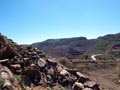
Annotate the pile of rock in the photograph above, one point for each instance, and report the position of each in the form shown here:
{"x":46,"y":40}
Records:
{"x":36,"y":69}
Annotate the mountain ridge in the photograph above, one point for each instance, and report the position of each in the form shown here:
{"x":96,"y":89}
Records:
{"x":77,"y":46}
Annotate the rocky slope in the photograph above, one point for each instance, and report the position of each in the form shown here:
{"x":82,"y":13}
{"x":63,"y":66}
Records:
{"x":75,"y":47}
{"x":27,"y":68}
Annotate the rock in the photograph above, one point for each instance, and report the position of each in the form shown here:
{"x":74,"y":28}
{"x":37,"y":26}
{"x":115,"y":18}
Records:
{"x":18,"y":71}
{"x":25,"y":59}
{"x":58,"y":87}
{"x":41,"y":62}
{"x":78,"y":86}
{"x":50,"y":71}
{"x":49,"y":77}
{"x":32,"y":65}
{"x":4,"y":75}
{"x":87,"y":89}
{"x":40,"y":88}
{"x":52,"y":62}
{"x":34,"y":76}
{"x":80,"y":75}
{"x":15,"y":66}
{"x":28,"y":88}
{"x":7,"y":83}
{"x":59,"y":68}
{"x":91,"y":84}
{"x":38,"y":70}
{"x":64,"y":72}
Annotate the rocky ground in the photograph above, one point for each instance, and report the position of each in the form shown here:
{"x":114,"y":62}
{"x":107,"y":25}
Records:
{"x":105,"y":72}
{"x":107,"y":78}
{"x":27,"y":68}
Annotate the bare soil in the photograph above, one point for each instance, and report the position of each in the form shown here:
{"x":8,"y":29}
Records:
{"x":107,"y":74}
{"x":106,"y":78}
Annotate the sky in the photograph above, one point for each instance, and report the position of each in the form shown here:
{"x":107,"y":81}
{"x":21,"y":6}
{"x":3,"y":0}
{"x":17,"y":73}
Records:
{"x":29,"y":21}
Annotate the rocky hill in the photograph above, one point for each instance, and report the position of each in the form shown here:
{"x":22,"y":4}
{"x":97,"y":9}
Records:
{"x":75,"y":47}
{"x":27,"y":68}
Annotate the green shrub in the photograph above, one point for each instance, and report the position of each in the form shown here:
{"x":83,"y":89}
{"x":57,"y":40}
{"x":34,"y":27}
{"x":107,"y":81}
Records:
{"x":105,"y":57}
{"x":12,"y":79}
{"x":85,"y":57}
{"x":2,"y":81}
{"x":19,"y":78}
{"x":67,"y":63}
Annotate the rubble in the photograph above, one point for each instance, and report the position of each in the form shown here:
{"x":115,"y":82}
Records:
{"x":36,"y":69}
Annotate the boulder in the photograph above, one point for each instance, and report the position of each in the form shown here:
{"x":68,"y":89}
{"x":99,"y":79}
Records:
{"x":59,"y":68}
{"x":52,"y":62}
{"x":41,"y":62}
{"x":64,"y":72}
{"x":81,"y":77}
{"x":78,"y":86}
{"x":50,"y":71}
{"x":91,"y":84}
{"x":4,"y":75}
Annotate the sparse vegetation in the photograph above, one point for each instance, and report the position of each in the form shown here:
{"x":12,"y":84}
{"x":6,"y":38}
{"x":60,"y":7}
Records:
{"x":101,"y":46}
{"x":12,"y":79}
{"x":2,"y":81}
{"x":19,"y":78}
{"x":105,"y":57}
{"x":67,"y":63}
{"x":85,"y":57}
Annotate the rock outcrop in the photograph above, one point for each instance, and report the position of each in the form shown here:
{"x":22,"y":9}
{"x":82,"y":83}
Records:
{"x":36,"y":71}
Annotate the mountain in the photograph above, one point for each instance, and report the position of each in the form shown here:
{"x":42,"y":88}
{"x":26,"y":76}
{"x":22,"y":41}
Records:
{"x":75,"y":47}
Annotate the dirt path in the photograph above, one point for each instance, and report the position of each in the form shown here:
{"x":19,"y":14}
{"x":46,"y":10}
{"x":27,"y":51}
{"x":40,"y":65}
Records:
{"x":93,"y":57}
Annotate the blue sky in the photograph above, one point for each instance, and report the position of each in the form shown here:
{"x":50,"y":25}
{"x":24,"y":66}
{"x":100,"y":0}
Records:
{"x":28,"y":21}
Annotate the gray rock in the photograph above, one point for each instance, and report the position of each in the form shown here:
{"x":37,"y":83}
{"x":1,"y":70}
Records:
{"x":90,"y":84}
{"x":78,"y":86}
{"x":80,"y":75}
{"x":87,"y":89}
{"x":64,"y":72}
{"x":41,"y":62}
{"x":50,"y":71}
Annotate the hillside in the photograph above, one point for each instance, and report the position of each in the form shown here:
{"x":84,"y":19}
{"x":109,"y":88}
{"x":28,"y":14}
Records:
{"x":26,"y":68}
{"x":75,"y":47}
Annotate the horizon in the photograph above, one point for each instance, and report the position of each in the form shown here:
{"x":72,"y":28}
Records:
{"x":28,"y":21}
{"x":62,"y":38}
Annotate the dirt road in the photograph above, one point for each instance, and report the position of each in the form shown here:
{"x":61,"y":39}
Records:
{"x":93,"y":57}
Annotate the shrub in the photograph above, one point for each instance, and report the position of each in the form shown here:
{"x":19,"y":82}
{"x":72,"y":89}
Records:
{"x":19,"y":78}
{"x":12,"y":79}
{"x":105,"y":57}
{"x":2,"y":81}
